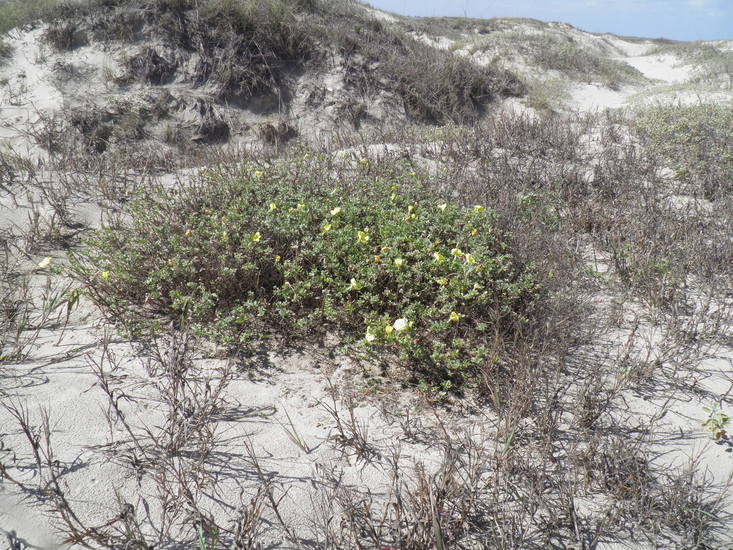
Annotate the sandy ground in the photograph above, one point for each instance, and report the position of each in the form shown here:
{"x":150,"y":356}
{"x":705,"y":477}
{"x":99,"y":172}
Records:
{"x":28,"y":95}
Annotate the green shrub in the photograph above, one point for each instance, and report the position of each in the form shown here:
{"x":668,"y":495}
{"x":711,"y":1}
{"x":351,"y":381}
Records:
{"x":380,"y":262}
{"x":696,"y":141}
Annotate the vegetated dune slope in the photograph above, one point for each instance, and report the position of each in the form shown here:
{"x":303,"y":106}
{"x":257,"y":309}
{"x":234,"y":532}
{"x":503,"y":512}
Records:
{"x":153,"y":77}
{"x":582,"y":428}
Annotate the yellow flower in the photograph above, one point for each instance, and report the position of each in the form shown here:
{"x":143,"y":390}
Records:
{"x":256,"y":237}
{"x":457,"y":252}
{"x":413,"y":174}
{"x":300,"y":207}
{"x":443,"y":206}
{"x":442,"y":281}
{"x":44,"y":263}
{"x":473,"y":232}
{"x":393,"y":196}
{"x":377,"y":259}
{"x":470,"y":259}
{"x":306,"y":156}
{"x":362,"y":237}
{"x":410,"y":209}
{"x":277,"y":259}
{"x":400,"y":324}
{"x":336,"y":211}
{"x":399,"y":262}
{"x":388,"y":329}
{"x":454,"y":317}
{"x":104,"y":275}
{"x":370,"y":335}
{"x":438,"y":257}
{"x":273,"y":206}
{"x":188,"y":233}
{"x":258,"y":174}
{"x":326,"y":227}
{"x":478,"y":208}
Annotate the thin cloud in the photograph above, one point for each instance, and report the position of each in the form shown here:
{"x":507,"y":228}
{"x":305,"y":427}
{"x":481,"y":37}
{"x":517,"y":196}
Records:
{"x":711,"y":8}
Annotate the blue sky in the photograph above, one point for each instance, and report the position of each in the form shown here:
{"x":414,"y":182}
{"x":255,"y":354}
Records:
{"x":675,"y":19}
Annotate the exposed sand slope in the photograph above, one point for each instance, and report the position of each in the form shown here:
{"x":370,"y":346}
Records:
{"x":29,"y":93}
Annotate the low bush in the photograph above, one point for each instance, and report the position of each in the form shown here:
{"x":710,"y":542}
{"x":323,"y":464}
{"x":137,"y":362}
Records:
{"x":696,"y":141}
{"x":381,"y":261}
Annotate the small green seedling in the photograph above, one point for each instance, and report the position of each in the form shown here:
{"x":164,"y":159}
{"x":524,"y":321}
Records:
{"x":717,"y":422}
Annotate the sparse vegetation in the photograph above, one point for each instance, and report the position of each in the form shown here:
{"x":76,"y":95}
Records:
{"x":555,"y":52}
{"x":713,"y":65}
